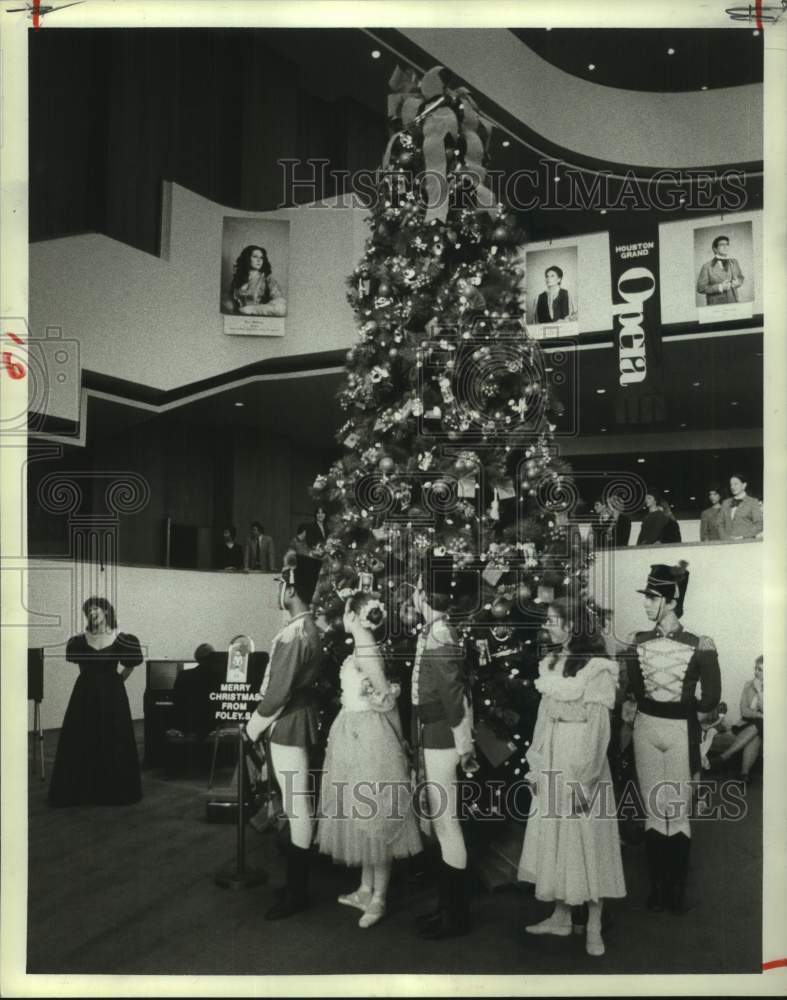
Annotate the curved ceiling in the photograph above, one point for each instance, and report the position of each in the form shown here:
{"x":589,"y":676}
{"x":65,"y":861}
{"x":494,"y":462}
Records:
{"x":652,"y":59}
{"x":655,"y":130}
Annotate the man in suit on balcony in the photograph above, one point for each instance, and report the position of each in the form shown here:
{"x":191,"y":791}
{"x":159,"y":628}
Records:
{"x":258,"y":551}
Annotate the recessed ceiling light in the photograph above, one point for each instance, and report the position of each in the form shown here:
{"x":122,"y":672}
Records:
{"x":641,"y":461}
{"x":548,"y":29}
{"x":682,"y":425}
{"x":506,"y":143}
{"x":703,"y":88}
{"x":695,"y":384}
{"x":603,"y":430}
{"x":591,"y":66}
{"x":733,"y":402}
{"x":603,"y":211}
{"x":670,"y":52}
{"x":692,"y":498}
{"x":601,"y":391}
{"x":376,"y":53}
{"x":665,"y":491}
{"x":240,"y":404}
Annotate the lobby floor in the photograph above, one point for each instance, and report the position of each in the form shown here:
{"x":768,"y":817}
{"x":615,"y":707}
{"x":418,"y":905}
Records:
{"x":130,"y":890}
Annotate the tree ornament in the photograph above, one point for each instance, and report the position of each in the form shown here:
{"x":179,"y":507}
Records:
{"x":501,"y":608}
{"x":386,"y":465}
{"x":408,"y":616}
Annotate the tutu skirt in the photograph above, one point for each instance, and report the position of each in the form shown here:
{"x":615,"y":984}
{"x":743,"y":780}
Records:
{"x":365,"y":814}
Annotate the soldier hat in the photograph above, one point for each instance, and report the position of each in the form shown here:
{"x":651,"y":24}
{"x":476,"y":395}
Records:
{"x":302,"y":574}
{"x":447,"y":585}
{"x":669,"y":582}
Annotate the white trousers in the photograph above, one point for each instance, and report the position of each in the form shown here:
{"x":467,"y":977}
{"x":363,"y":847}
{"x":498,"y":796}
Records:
{"x":661,"y":749}
{"x":442,"y":794}
{"x":291,"y":768}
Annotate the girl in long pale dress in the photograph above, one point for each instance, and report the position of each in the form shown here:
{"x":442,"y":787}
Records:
{"x":572,"y":850}
{"x":366,"y":817}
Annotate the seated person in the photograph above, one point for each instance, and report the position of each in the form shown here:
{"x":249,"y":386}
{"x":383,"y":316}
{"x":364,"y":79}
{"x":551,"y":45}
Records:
{"x":193,"y":711}
{"x":711,"y":724}
{"x":749,"y":732}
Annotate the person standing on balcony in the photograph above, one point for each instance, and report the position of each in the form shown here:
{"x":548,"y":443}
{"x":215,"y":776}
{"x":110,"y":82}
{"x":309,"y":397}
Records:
{"x":711,"y":518}
{"x":258,"y":552}
{"x":741,"y":515}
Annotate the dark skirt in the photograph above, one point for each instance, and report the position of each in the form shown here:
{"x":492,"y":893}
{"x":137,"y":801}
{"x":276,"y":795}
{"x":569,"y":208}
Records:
{"x":97,"y":761}
{"x":757,"y":723}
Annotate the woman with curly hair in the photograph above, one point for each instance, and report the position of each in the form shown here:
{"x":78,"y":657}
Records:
{"x":571,"y":850}
{"x":96,"y":761}
{"x":366,"y":816}
{"x":253,"y":292}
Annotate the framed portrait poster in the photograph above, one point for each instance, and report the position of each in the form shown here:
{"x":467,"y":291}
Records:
{"x":254,"y":276}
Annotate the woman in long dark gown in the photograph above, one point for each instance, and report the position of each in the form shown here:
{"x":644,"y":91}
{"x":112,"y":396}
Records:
{"x":97,"y":761}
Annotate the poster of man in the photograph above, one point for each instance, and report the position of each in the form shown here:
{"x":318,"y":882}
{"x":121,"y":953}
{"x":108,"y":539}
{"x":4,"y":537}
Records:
{"x":254,"y":276}
{"x":550,"y":302}
{"x":723,"y":258}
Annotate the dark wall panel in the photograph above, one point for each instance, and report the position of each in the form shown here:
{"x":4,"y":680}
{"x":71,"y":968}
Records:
{"x":113,"y":114}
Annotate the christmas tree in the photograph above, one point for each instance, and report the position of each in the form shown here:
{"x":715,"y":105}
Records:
{"x":449,"y":433}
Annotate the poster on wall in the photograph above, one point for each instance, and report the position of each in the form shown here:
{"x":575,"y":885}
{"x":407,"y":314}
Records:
{"x":549,"y":298}
{"x":723,"y":264}
{"x":254,"y":276}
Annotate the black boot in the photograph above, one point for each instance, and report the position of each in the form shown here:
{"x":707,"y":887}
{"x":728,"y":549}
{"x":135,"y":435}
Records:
{"x":579,"y":918}
{"x":656,"y":854}
{"x":454,"y":920}
{"x":433,"y":917}
{"x":295,"y":896}
{"x":679,"y":848}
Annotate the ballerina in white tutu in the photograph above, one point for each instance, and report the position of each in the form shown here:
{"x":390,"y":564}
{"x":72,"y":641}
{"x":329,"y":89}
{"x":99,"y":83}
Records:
{"x":366,"y":817}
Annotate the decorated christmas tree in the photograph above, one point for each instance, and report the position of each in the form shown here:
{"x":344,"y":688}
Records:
{"x":448,"y":438}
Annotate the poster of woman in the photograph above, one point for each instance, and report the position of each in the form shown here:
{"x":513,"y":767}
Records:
{"x":254,"y":276}
{"x":723,"y":260}
{"x":550,"y":302}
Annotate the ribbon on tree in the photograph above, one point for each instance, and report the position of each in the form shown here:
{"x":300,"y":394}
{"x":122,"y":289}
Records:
{"x":475,"y":148}
{"x":405,"y":99}
{"x":438,"y":121}
{"x":433,"y":107}
{"x":404,"y":102}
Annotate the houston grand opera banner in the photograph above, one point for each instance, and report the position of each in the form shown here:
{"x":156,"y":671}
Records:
{"x":254,"y":276}
{"x":636,"y":322}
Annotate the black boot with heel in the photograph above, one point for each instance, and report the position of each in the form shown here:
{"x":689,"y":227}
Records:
{"x":295,"y":895}
{"x":453,"y":920}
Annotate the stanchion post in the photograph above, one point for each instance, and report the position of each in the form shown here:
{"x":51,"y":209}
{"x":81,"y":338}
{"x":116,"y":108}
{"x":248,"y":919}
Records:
{"x":239,"y":876}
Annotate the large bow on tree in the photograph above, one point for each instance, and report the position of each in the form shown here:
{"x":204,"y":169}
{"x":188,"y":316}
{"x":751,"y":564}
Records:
{"x":427,"y":110}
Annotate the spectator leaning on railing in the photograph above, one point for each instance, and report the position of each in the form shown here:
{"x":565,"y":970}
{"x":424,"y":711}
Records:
{"x":741,"y":515}
{"x":711,"y":517}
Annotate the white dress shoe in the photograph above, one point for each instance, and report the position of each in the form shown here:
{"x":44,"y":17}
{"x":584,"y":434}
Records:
{"x":360,"y":899}
{"x":594,"y":943}
{"x":373,"y":913}
{"x":552,"y":925}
